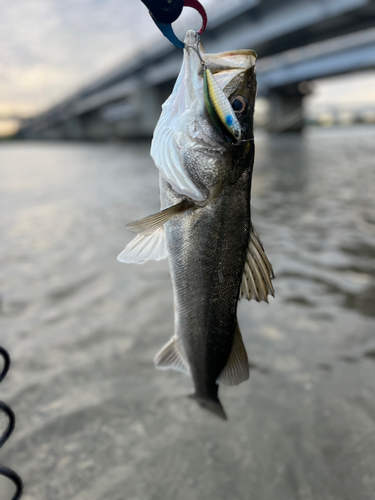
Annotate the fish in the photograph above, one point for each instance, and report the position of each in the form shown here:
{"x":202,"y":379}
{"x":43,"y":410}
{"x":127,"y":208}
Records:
{"x":203,"y":146}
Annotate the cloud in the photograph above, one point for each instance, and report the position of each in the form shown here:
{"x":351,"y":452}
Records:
{"x":50,"y":48}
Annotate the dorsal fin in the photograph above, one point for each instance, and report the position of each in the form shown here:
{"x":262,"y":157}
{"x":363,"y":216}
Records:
{"x":258,"y":273}
{"x":237,"y":368}
{"x":171,"y":358}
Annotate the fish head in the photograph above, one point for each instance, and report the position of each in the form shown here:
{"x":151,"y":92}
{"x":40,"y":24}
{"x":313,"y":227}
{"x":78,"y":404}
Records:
{"x":190,"y":145}
{"x":241,"y":92}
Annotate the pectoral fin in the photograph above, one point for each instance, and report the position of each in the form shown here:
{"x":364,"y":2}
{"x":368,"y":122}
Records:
{"x":237,"y":368}
{"x":258,"y":273}
{"x":172,"y":358}
{"x":152,"y":222}
{"x":145,"y":247}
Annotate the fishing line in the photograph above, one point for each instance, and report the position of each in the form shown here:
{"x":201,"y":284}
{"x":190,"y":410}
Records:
{"x":7,"y":410}
{"x":238,"y":143}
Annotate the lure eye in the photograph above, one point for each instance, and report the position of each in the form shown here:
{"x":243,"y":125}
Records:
{"x":238,"y":103}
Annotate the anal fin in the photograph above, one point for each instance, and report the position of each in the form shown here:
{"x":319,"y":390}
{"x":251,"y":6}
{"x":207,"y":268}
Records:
{"x":237,"y":368}
{"x":171,"y":358}
{"x":258,"y":273}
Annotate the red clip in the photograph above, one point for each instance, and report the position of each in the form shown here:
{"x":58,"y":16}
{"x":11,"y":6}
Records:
{"x":194,"y":4}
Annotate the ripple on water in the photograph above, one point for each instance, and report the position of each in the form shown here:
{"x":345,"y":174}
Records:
{"x":95,"y":420}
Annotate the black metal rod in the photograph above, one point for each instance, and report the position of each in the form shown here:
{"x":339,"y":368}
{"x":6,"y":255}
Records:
{"x":5,"y":471}
{"x":5,"y":355}
{"x":13,"y":476}
{"x":11,"y":424}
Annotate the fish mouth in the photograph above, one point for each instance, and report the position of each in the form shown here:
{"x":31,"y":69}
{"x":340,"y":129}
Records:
{"x":224,"y":65}
{"x":229,"y":60}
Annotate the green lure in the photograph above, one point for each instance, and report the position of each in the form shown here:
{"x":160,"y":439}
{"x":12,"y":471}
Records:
{"x":219,"y":108}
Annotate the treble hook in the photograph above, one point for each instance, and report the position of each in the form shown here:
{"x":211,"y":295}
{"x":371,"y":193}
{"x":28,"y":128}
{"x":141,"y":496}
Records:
{"x":166,"y":12}
{"x":196,"y":49}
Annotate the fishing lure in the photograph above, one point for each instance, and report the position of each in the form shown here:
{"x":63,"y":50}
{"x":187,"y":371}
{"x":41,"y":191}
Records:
{"x":219,"y":108}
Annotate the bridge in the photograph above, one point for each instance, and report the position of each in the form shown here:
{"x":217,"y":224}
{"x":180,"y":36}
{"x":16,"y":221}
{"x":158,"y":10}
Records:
{"x":297,"y":41}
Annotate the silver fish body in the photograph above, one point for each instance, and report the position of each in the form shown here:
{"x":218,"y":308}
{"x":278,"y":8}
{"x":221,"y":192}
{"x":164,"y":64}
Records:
{"x":215,"y":258}
{"x":207,"y":250}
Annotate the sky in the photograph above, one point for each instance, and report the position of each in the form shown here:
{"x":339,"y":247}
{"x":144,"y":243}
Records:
{"x":50,"y":48}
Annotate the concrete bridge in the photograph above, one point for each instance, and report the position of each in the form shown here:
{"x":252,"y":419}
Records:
{"x":296,"y":40}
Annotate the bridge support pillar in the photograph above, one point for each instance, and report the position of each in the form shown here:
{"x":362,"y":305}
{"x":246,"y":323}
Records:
{"x":73,"y":129}
{"x":285,"y":111}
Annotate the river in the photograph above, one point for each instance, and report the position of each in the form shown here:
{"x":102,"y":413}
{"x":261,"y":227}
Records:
{"x":96,"y":421}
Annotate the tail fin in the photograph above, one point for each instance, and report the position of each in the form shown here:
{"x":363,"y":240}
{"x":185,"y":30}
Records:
{"x":212,"y":405}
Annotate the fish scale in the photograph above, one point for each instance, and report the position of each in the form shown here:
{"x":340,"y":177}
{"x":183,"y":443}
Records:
{"x":199,"y":245}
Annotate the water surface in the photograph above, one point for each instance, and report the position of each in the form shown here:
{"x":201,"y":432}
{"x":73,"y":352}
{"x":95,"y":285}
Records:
{"x":95,"y":420}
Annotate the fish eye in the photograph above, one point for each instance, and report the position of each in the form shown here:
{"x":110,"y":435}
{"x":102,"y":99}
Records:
{"x":238,"y":103}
